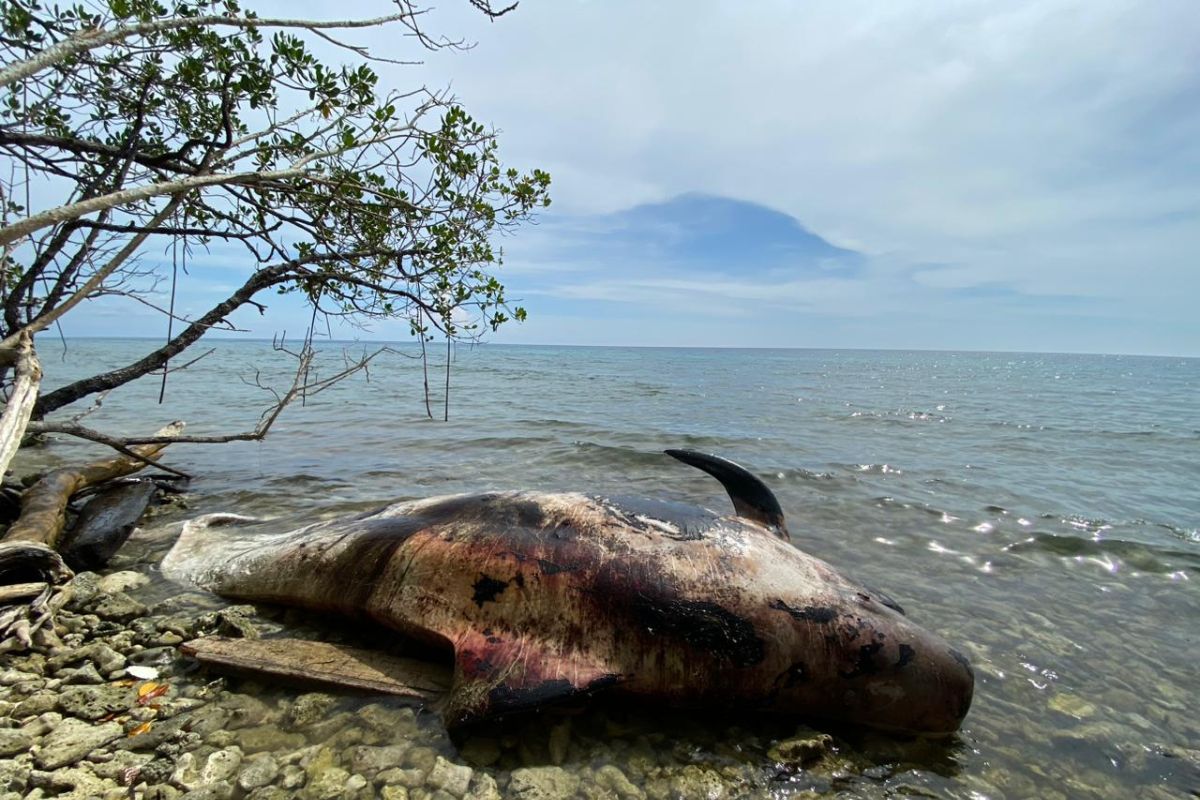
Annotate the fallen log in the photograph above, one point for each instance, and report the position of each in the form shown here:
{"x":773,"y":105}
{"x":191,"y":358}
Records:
{"x":44,"y":505}
{"x":308,"y":662}
{"x":28,"y":551}
{"x":104,"y":524}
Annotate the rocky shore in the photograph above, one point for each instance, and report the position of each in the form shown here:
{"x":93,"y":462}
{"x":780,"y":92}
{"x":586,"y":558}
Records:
{"x":115,"y":712}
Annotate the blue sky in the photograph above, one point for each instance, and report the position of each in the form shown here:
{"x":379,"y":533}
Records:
{"x":977,"y":175}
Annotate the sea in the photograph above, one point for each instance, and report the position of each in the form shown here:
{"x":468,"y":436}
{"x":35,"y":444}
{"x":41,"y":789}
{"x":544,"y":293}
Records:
{"x":1039,"y":511}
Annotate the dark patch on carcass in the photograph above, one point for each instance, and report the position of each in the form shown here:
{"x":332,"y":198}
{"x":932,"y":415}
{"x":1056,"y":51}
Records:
{"x":507,"y":698}
{"x":692,"y":521}
{"x":550,"y":568}
{"x":519,"y":580}
{"x":818,"y":614}
{"x":794,"y":675}
{"x":906,"y":656}
{"x":496,"y":511}
{"x":865,"y":664}
{"x":487,"y":589}
{"x":707,"y":627}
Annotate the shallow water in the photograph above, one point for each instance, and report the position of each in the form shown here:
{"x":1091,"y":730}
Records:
{"x":1039,"y":511}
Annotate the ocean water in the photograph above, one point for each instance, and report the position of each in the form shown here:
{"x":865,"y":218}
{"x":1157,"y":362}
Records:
{"x":1041,"y":512}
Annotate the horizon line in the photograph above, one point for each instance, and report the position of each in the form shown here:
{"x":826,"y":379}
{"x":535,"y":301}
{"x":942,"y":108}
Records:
{"x":254,"y":339}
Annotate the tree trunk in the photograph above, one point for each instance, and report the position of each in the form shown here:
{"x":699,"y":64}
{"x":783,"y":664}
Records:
{"x":27,"y":380}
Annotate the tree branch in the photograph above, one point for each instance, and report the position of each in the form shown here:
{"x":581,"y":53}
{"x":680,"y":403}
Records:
{"x":93,"y":38}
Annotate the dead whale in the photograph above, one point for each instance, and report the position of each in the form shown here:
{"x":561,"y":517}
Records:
{"x":544,"y":596}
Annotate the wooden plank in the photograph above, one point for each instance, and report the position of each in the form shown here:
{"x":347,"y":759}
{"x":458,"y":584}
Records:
{"x":304,"y":661}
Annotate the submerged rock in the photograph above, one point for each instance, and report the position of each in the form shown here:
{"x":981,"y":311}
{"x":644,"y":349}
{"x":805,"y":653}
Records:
{"x":805,"y":747}
{"x":543,"y":783}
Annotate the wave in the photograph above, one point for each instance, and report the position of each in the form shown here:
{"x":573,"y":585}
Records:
{"x":901,"y":415}
{"x":1138,"y":555}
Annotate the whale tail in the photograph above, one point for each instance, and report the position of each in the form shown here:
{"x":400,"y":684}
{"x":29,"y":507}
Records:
{"x":752,"y":500}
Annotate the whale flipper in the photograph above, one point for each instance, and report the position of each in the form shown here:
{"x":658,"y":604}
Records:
{"x":751,"y":498}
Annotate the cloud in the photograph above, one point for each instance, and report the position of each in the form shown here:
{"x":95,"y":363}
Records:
{"x":983,"y":161}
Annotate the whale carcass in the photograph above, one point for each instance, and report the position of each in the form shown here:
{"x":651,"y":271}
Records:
{"x":546,"y":596}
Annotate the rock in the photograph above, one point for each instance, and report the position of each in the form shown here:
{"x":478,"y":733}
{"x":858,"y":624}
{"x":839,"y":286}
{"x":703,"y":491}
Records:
{"x":13,"y":741}
{"x":805,"y":747}
{"x":395,"y":723}
{"x":694,"y":781}
{"x":258,"y":770}
{"x":206,"y":719}
{"x":269,"y":793}
{"x":371,"y":760}
{"x":106,"y":659}
{"x":84,"y":589}
{"x":481,"y":751}
{"x":449,"y":777}
{"x":119,"y":606}
{"x":560,"y":741}
{"x":120,"y":763}
{"x":186,"y":774}
{"x":292,"y":777}
{"x":327,"y":784}
{"x":35,"y":704}
{"x":72,"y":740}
{"x":86,"y":675}
{"x":245,"y":711}
{"x":94,"y":702}
{"x":309,"y":708}
{"x":221,"y":766}
{"x":213,"y":791}
{"x":1072,"y":705}
{"x":422,"y":758}
{"x":409,"y":778}
{"x":42,"y":724}
{"x":483,"y":787}
{"x":327,"y":728}
{"x":121,"y":582}
{"x":9,"y":677}
{"x":14,"y":776}
{"x":611,"y":778}
{"x":161,"y":791}
{"x":72,"y":783}
{"x":269,"y":737}
{"x":393,"y":793}
{"x":545,"y":783}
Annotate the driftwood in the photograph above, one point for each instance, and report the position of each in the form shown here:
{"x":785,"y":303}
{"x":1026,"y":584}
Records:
{"x":28,"y":552}
{"x":44,"y":506}
{"x":104,"y":524}
{"x":27,"y":378}
{"x":308,"y":662}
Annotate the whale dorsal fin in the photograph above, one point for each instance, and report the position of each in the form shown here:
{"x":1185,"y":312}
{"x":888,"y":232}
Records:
{"x":751,"y":498}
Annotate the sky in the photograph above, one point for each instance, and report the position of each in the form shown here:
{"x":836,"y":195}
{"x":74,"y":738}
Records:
{"x":978,"y":175}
